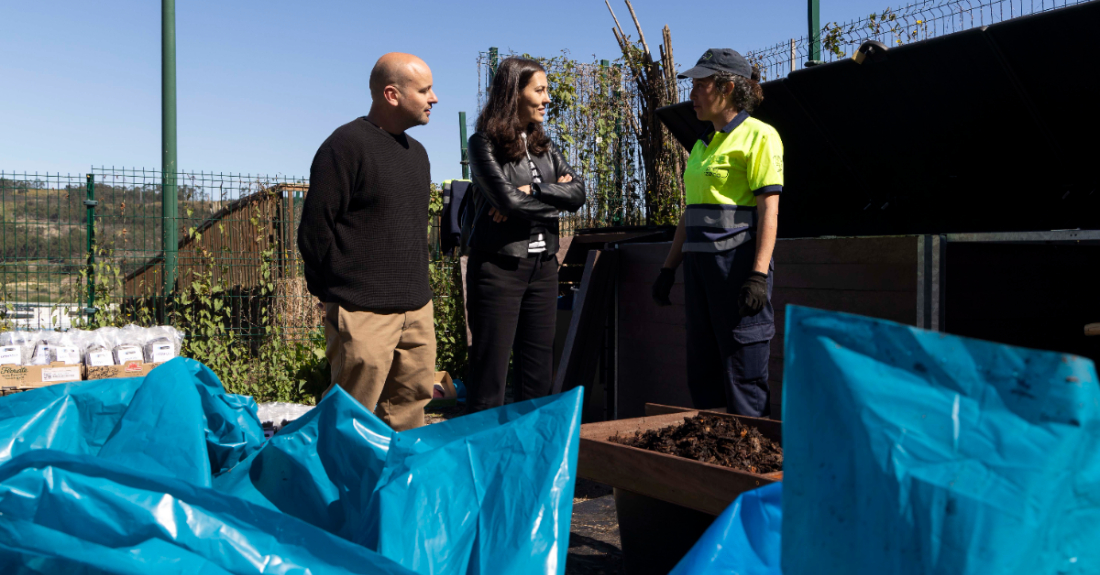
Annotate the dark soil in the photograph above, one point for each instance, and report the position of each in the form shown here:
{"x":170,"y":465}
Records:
{"x":712,"y":439}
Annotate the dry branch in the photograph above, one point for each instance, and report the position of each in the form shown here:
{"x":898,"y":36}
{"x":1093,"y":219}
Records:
{"x":641,"y":35}
{"x":657,"y":87}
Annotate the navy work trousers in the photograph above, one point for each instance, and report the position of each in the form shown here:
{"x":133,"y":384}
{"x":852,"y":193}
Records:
{"x":727,"y":355}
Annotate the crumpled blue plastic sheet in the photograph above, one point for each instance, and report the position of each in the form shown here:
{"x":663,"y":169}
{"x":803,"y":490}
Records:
{"x":65,"y":513}
{"x":490,"y":492}
{"x":743,"y":540}
{"x":908,"y":451}
{"x":170,"y":474}
{"x":146,"y":423}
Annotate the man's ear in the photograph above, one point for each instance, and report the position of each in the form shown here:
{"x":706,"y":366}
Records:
{"x":392,"y":95}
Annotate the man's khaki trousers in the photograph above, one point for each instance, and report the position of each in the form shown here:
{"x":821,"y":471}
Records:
{"x":384,"y":360}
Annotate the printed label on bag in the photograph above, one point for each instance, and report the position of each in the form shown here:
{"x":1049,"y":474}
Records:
{"x":9,"y":355}
{"x":53,"y":374}
{"x":68,"y":354}
{"x":128,"y":353}
{"x":100,"y":358}
{"x":162,"y":352}
{"x":133,"y":367}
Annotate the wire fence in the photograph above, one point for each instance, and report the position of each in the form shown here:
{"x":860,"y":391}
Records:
{"x":76,"y":244}
{"x":893,"y":27}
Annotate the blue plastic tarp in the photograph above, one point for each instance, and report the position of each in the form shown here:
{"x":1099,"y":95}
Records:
{"x":178,"y":422}
{"x":169,"y":472}
{"x":914,"y":452}
{"x":743,"y":540}
{"x":65,"y":513}
{"x":490,"y":492}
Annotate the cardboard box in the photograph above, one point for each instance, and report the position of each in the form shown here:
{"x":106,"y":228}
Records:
{"x":39,"y":375}
{"x":128,"y":369}
{"x":443,"y":391}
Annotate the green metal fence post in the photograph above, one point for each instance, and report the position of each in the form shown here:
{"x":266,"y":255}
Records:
{"x":814,"y":17}
{"x":494,"y":60}
{"x":90,"y":203}
{"x":464,"y":153}
{"x":169,"y":198}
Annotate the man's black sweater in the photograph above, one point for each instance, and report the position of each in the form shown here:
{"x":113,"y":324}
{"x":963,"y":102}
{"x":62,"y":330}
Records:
{"x":363,"y":235}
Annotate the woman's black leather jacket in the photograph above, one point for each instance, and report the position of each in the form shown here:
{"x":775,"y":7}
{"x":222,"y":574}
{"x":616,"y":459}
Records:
{"x":495,"y":185}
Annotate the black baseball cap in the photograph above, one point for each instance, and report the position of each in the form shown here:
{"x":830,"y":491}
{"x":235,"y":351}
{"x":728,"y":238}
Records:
{"x":719,"y":60}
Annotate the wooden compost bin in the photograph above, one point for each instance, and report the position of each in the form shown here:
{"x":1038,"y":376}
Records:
{"x":663,"y":502}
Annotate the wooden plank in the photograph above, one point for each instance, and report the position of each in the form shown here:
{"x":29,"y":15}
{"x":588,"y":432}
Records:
{"x":777,"y":398}
{"x":858,"y":277}
{"x":654,"y":409}
{"x":648,"y":253}
{"x":640,"y":310}
{"x":638,"y":270}
{"x":886,"y":249}
{"x":612,"y":237}
{"x":693,"y":484}
{"x":894,"y":306}
{"x":582,"y":243}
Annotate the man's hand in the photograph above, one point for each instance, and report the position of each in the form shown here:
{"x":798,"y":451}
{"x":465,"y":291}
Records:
{"x":497,"y":216}
{"x":525,"y":189}
{"x":565,"y":179}
{"x":754,"y":294}
{"x":663,"y":286}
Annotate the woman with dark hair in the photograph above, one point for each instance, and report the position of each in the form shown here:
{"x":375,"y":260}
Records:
{"x":510,"y":230}
{"x":726,"y":236}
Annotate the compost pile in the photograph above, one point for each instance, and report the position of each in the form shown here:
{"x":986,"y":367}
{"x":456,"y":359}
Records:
{"x":711,"y":439}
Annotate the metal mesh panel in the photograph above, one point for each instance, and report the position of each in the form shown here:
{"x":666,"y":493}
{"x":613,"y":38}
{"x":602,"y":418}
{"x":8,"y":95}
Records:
{"x":43,"y":248}
{"x":237,"y":255}
{"x":893,"y":27}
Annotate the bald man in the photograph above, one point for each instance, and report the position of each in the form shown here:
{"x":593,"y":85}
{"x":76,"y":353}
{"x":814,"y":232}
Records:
{"x":365,"y":248}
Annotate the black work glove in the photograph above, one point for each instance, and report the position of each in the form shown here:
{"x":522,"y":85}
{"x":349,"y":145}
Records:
{"x":754,"y":294}
{"x":663,"y":286}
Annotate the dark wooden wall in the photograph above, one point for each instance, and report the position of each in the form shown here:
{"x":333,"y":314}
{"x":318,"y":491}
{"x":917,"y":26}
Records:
{"x":1031,"y":295}
{"x":875,"y":276}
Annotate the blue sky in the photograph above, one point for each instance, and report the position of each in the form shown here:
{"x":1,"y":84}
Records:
{"x":262,"y":84}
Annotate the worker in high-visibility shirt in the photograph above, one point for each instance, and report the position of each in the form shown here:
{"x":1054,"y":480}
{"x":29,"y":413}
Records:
{"x":725,"y":238}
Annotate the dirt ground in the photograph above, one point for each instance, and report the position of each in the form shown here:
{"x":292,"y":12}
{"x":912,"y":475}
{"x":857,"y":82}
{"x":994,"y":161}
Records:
{"x":712,"y":439}
{"x":594,"y":543}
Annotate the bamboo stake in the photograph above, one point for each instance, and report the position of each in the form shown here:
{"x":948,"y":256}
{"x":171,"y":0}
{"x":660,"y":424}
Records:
{"x":635,"y":73}
{"x":670,"y":63}
{"x":613,"y":17}
{"x":641,"y":35}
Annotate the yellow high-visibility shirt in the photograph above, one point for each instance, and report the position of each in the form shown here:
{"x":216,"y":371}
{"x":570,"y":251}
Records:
{"x":722,"y":179}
